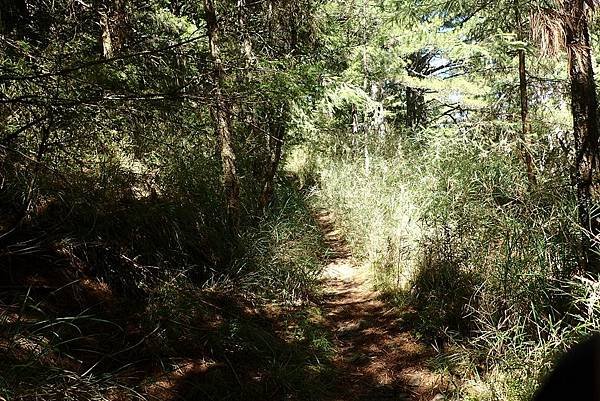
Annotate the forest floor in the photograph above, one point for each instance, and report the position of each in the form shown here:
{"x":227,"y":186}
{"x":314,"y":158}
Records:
{"x":185,"y":344}
{"x":374,"y":354}
{"x":377,"y":356}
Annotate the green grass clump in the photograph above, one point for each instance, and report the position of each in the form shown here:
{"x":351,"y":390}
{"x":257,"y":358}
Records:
{"x":252,"y":351}
{"x":126,"y":292}
{"x":285,"y":251}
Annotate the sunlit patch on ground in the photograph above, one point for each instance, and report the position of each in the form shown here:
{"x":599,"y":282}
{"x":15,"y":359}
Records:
{"x":376,"y":357}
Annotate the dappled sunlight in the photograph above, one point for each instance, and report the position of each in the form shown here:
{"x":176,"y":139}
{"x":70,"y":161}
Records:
{"x":73,"y":327}
{"x":298,"y":200}
{"x":378,"y":358}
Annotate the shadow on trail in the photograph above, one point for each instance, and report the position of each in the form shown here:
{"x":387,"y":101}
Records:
{"x":64,"y":333}
{"x":80,"y":340}
{"x":377,"y":356}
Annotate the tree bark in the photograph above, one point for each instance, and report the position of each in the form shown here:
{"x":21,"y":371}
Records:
{"x":416,"y":115}
{"x":525,"y":124}
{"x":366,"y":73}
{"x":113,"y":20}
{"x":355,"y":128}
{"x":584,"y":107}
{"x":277,"y":142}
{"x":247,"y":51}
{"x":222,"y":124}
{"x":106,"y":39}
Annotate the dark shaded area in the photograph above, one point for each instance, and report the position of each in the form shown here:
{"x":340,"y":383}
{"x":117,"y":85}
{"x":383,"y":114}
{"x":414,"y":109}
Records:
{"x":116,"y":299}
{"x":12,"y":14}
{"x":129,"y":246}
{"x":576,"y":375}
{"x":52,"y":323}
{"x":442,"y":290}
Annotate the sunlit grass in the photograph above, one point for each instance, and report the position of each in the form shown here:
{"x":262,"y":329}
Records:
{"x":453,"y":231}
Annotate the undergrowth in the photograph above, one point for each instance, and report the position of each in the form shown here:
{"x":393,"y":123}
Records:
{"x":285,"y":252}
{"x":145,"y":298}
{"x":453,"y":231}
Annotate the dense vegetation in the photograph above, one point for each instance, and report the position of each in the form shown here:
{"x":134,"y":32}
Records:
{"x":162,"y":161}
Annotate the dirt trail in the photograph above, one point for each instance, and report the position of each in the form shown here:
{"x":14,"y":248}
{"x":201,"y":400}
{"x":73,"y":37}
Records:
{"x":378,"y":359}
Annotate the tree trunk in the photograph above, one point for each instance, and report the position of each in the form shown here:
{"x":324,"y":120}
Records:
{"x":113,"y":20}
{"x":416,"y":114}
{"x":277,"y":141}
{"x":414,"y":104}
{"x":247,"y":51}
{"x":584,"y":106}
{"x":222,"y":124}
{"x":106,"y":39}
{"x":355,"y":128}
{"x":366,"y":72}
{"x":32,"y":190}
{"x":525,"y":124}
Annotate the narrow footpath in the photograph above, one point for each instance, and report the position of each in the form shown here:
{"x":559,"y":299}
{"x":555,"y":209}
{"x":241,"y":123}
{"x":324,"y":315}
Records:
{"x":378,"y":358}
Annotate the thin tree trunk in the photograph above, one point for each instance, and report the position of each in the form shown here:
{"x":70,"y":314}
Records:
{"x":584,"y":106}
{"x":355,"y":128}
{"x":365,"y":88}
{"x":106,"y":38}
{"x":41,"y":151}
{"x":525,"y":124}
{"x":220,"y":116}
{"x":412,"y":100}
{"x":274,"y":140}
{"x":415,"y":97}
{"x":247,"y":51}
{"x":277,"y":142}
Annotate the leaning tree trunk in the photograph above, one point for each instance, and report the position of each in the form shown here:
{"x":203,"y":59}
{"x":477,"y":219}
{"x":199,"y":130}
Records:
{"x":584,"y":106}
{"x":222,"y":124}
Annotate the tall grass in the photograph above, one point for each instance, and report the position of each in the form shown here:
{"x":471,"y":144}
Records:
{"x":108,"y":293}
{"x":285,"y":251}
{"x":451,"y":227}
{"x":376,"y":211}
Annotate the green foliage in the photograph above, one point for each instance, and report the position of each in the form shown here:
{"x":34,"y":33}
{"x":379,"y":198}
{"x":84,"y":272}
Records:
{"x":452,"y":226}
{"x":285,"y":251}
{"x":401,"y":117}
{"x":443,"y":210}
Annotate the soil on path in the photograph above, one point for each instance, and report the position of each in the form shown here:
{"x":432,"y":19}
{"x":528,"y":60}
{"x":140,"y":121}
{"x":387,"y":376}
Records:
{"x":378,"y":359}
